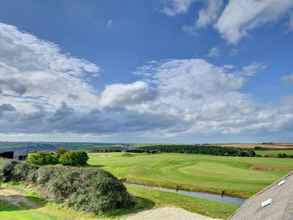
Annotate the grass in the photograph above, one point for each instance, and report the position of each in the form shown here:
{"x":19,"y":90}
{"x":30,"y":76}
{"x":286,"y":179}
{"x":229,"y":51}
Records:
{"x":274,"y":153}
{"x":240,"y":176}
{"x":43,"y":211}
{"x":145,"y":198}
{"x":201,"y":206}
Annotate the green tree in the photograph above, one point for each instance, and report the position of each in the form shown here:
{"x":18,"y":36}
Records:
{"x":74,"y":158}
{"x":42,"y":158}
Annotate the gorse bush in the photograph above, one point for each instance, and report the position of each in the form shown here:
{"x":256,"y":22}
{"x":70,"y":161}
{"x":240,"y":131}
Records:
{"x":83,"y":189}
{"x":42,"y":158}
{"x":18,"y":171}
{"x":74,"y":158}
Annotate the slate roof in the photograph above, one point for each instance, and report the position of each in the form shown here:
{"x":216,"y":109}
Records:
{"x":273,"y":203}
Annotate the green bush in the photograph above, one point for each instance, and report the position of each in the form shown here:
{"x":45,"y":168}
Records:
{"x":74,"y":158}
{"x":42,"y":158}
{"x":18,"y":171}
{"x":60,"y":151}
{"x":84,"y":189}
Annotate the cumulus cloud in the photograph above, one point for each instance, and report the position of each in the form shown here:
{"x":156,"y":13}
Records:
{"x":238,"y":18}
{"x":117,"y":95}
{"x":36,"y":72}
{"x":174,"y":7}
{"x":241,"y":16}
{"x":44,"y":91}
{"x":209,"y":15}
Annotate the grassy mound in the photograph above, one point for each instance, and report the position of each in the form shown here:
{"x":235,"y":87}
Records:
{"x":83,"y":189}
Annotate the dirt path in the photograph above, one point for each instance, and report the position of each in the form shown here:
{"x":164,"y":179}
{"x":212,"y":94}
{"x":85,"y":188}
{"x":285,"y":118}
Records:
{"x":16,"y":198}
{"x":168,"y":213}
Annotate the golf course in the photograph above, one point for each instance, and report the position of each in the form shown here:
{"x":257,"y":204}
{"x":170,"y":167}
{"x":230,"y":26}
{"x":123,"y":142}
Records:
{"x":235,"y":176}
{"x":238,"y":176}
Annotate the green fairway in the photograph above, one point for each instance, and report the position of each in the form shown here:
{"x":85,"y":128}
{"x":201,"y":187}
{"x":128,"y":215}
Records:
{"x":241,"y":176}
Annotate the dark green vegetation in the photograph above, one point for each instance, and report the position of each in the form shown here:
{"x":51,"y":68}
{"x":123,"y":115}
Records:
{"x":71,"y":158}
{"x":278,"y":153}
{"x":199,"y":149}
{"x":240,"y":176}
{"x":189,"y":149}
{"x":83,"y":189}
{"x":42,"y":158}
{"x":74,"y":158}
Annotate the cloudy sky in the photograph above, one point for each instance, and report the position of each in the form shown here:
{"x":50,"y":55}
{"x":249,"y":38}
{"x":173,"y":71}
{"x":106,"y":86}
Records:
{"x":185,"y":71}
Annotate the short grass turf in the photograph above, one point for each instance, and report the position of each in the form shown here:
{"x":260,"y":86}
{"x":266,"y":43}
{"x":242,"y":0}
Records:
{"x":239,"y":176}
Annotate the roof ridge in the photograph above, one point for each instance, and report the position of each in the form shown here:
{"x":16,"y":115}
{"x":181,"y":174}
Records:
{"x":262,"y":191}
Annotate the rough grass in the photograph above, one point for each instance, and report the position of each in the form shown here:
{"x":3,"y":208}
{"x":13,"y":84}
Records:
{"x":201,"y":206}
{"x":146,"y":199}
{"x":240,"y":176}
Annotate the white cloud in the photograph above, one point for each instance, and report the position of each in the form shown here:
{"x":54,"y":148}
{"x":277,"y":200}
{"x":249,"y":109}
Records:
{"x":252,"y":69}
{"x":174,"y":7}
{"x":214,"y":52}
{"x":209,"y":14}
{"x":35,"y":73}
{"x":209,"y":99}
{"x":238,"y":18}
{"x":45,"y":91}
{"x":122,"y":95}
{"x":241,"y":16}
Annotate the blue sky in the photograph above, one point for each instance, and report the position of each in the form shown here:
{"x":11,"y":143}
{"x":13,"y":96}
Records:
{"x":146,"y":71}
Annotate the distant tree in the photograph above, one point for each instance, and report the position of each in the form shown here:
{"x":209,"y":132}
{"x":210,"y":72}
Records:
{"x":60,"y":151}
{"x":74,"y":158}
{"x":42,"y":158}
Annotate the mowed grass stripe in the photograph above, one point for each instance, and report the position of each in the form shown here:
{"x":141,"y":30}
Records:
{"x":240,"y":176}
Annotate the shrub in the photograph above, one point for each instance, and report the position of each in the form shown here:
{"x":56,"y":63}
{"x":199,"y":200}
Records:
{"x":18,"y":171}
{"x":60,"y":151}
{"x":42,"y":158}
{"x":84,"y":189}
{"x":282,"y":155}
{"x":74,"y":158}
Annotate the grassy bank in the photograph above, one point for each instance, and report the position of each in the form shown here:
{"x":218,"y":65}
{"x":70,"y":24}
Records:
{"x":146,"y":199}
{"x":239,"y":176}
{"x":201,"y":206}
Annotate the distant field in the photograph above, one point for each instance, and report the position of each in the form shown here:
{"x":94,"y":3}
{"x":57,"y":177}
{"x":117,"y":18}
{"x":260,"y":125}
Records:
{"x":274,"y":153}
{"x":237,"y":176}
{"x":272,"y":146}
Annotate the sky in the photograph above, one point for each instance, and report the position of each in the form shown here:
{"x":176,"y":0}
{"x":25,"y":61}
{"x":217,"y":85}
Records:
{"x":156,"y":71}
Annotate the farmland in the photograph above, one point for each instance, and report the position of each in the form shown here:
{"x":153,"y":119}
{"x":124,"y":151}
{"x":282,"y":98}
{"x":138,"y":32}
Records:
{"x":239,"y":176}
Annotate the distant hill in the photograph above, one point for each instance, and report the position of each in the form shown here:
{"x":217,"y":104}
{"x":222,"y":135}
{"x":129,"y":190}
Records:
{"x":25,"y":147}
